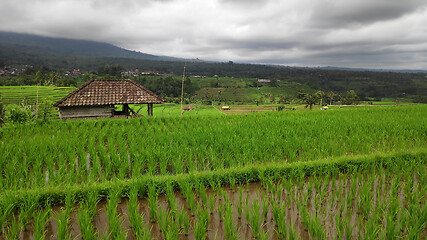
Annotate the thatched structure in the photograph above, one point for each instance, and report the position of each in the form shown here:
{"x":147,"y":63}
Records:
{"x":97,"y":99}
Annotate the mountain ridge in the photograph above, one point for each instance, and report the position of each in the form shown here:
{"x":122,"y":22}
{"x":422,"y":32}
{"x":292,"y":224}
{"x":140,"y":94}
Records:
{"x":20,"y":47}
{"x":24,"y":48}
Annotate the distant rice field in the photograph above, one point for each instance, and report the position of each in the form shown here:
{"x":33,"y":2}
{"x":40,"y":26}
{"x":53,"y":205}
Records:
{"x":17,"y":94}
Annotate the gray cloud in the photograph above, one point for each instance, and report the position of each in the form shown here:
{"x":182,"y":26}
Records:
{"x":348,"y":12}
{"x":381,"y":33}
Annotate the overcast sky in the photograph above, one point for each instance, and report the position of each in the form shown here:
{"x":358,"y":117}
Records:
{"x":386,"y":34}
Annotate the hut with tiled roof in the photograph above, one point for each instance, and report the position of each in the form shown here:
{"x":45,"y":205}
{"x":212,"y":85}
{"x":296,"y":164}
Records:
{"x":98,"y":97}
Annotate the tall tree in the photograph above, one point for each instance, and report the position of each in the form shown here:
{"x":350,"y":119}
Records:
{"x":351,"y":98}
{"x":310,"y":100}
{"x":283,"y":99}
{"x":330,"y":95}
{"x":39,"y":77}
{"x":320,"y":96}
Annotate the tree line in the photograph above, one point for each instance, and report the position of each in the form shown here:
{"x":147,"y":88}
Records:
{"x":367,"y":84}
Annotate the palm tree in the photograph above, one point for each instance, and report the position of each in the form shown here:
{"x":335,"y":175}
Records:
{"x":283,"y":99}
{"x":310,"y":100}
{"x":320,"y":95}
{"x":331,"y":95}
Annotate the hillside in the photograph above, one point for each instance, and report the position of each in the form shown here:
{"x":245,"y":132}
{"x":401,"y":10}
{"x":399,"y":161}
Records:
{"x":17,"y":48}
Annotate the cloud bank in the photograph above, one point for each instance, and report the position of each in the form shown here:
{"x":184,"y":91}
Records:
{"x":349,"y":33}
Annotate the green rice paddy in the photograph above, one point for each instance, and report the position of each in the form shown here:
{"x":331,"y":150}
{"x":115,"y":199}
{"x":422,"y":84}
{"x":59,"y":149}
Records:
{"x":342,"y":173}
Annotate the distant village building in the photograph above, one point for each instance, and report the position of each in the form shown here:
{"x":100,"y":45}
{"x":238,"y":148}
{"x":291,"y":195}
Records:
{"x":10,"y":71}
{"x":75,"y":72}
{"x":264,"y":80}
{"x":131,"y":73}
{"x":188,"y":108}
{"x":97,"y":99}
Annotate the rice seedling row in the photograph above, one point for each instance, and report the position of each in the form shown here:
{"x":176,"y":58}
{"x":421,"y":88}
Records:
{"x":371,"y":202}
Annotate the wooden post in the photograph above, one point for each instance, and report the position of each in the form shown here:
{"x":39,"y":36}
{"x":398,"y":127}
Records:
{"x":126,"y":109}
{"x":37,"y":101}
{"x":182,"y":88}
{"x":151,"y":109}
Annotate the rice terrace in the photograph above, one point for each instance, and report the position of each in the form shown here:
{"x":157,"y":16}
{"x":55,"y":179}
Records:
{"x":213,"y":120}
{"x":345,"y":173}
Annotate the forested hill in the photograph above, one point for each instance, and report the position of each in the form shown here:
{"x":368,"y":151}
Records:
{"x":17,"y":48}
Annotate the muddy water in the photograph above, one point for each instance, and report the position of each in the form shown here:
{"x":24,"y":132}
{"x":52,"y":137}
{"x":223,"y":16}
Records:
{"x":326,"y":209}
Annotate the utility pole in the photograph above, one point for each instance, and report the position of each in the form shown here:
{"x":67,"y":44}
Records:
{"x":182,"y":87}
{"x":37,"y":101}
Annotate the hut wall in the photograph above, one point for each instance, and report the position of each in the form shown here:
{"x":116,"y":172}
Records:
{"x":85,"y":112}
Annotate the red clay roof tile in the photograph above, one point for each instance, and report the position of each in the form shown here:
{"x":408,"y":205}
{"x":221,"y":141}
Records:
{"x":109,"y":91}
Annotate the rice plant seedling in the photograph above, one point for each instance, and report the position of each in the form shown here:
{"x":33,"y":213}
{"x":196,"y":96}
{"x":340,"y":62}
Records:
{"x":5,"y":212}
{"x":240,"y":207}
{"x":221,"y":209}
{"x":115,"y":222}
{"x":264,"y":235}
{"x":365,"y":200}
{"x":13,"y":229}
{"x":63,"y":221}
{"x":312,"y":222}
{"x":139,"y":227}
{"x":203,"y":195}
{"x":184,"y":221}
{"x":232,"y":181}
{"x":85,"y":221}
{"x":247,"y":209}
{"x":255,"y":219}
{"x":339,"y":225}
{"x":26,"y":211}
{"x":279,"y":214}
{"x":162,"y":219}
{"x":291,"y":232}
{"x":168,"y":223}
{"x":348,"y":230}
{"x":173,"y":229}
{"x":92,"y":200}
{"x":265,"y":206}
{"x":202,"y":223}
{"x":41,"y":219}
{"x":152,"y":201}
{"x":211,"y":203}
{"x":230,"y":227}
{"x":170,"y":196}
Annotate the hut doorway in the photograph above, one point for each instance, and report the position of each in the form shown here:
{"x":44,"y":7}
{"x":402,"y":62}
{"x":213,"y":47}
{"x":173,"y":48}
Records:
{"x":127,"y":111}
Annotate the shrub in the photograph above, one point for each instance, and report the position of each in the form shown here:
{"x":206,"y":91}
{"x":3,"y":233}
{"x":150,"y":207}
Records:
{"x":18,"y":114}
{"x":2,"y":116}
{"x":45,"y":108}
